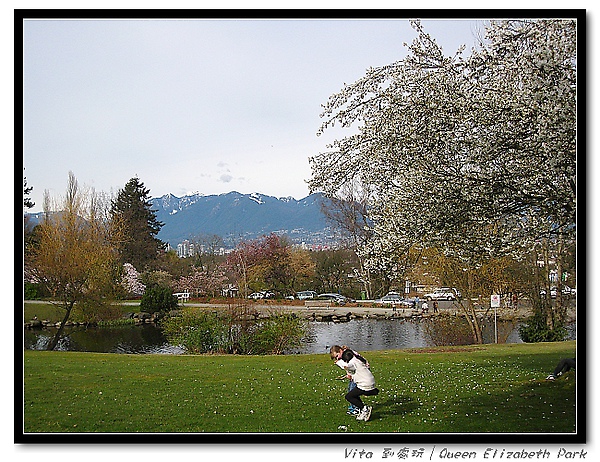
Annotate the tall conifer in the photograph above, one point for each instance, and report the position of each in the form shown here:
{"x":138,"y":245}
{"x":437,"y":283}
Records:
{"x":133,"y":211}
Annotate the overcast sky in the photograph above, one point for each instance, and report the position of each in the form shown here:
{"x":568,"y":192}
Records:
{"x":188,"y":106}
{"x":207,"y":106}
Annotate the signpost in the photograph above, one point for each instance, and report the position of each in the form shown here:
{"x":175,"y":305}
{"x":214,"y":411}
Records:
{"x":495,"y":303}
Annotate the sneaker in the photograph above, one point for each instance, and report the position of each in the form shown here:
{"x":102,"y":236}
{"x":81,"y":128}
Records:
{"x":367,"y":413}
{"x":361,"y":414}
{"x":551,"y":377}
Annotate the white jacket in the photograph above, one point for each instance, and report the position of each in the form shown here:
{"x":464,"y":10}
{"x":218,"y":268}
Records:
{"x":360,"y":373}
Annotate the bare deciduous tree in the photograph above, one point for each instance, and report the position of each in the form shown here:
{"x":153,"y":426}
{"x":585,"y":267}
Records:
{"x":74,"y":257}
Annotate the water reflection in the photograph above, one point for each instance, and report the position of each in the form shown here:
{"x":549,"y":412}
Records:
{"x":363,"y":335}
{"x":143,"y":339}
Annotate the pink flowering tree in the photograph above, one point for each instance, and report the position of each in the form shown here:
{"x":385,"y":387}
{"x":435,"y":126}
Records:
{"x":202,"y":282}
{"x":131,"y":280}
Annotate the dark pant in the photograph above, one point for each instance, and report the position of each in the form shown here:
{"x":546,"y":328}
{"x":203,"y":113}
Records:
{"x":351,"y":386}
{"x":564,"y":365}
{"x":353,"y":396}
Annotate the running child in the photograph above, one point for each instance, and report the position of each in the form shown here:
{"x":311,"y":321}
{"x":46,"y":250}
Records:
{"x":336,"y":355}
{"x":365,"y":384}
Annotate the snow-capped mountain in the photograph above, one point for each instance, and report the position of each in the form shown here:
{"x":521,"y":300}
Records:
{"x":235,"y":216}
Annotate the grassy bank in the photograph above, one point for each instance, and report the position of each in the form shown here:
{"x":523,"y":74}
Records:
{"x":54,"y":313}
{"x":481,"y":389}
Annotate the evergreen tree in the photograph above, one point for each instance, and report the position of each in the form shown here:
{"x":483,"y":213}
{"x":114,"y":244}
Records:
{"x":132,"y":211}
{"x":27,"y":202}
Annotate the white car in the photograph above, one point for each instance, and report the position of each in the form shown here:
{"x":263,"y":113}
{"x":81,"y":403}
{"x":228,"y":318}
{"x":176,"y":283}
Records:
{"x":393,"y":299}
{"x":336,"y":298}
{"x":261,"y":295}
{"x":443,"y":293}
{"x":566,"y":291}
{"x":306,"y":295}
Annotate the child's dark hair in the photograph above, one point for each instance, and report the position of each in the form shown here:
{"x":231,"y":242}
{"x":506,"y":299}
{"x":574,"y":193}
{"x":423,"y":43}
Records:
{"x":357,"y":356}
{"x":347,"y":355}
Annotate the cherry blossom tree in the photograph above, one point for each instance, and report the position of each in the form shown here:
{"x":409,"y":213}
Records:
{"x":269,"y":263}
{"x":131,"y":280}
{"x":347,"y":211}
{"x":472,"y":154}
{"x":203,"y":281}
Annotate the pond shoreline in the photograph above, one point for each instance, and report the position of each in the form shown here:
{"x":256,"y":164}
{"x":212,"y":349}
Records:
{"x":356,"y":311}
{"x":324,"y":312}
{"x":366,"y":328}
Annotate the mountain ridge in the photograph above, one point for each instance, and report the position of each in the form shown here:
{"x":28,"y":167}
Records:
{"x":235,"y":216}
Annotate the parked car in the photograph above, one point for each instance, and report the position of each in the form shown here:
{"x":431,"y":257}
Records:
{"x":443,"y":293}
{"x":566,"y":291}
{"x":261,"y":295}
{"x":306,"y":295}
{"x":336,"y":298}
{"x":394,"y":299}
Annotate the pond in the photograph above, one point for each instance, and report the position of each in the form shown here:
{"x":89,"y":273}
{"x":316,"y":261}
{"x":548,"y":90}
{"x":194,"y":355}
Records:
{"x":362,"y":335}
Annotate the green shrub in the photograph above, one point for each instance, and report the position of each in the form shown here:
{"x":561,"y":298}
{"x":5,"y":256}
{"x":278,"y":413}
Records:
{"x":95,"y":310}
{"x":31,"y":291}
{"x":200,"y":332}
{"x":277,"y":333}
{"x":116,"y":322}
{"x":447,"y":329}
{"x":536,"y":330}
{"x":157,"y":298}
{"x":228,"y":332}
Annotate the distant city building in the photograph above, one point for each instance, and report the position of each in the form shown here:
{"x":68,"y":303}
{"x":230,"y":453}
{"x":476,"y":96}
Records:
{"x":185,"y":249}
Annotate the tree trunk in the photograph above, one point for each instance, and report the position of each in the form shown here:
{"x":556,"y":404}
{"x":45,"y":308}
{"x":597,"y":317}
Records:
{"x":469,"y":311}
{"x":55,"y":340}
{"x":547,"y":305}
{"x":559,"y":305}
{"x":471,"y":317}
{"x":365,"y":275}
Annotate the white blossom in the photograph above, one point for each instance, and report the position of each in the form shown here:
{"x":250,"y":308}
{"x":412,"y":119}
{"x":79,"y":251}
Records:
{"x":473,"y":154}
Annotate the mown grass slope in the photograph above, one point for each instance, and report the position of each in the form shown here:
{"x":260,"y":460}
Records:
{"x":479,"y":389}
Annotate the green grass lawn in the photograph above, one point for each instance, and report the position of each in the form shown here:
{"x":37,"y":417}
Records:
{"x":42,"y":310}
{"x":480,"y":389}
{"x":54,"y":313}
